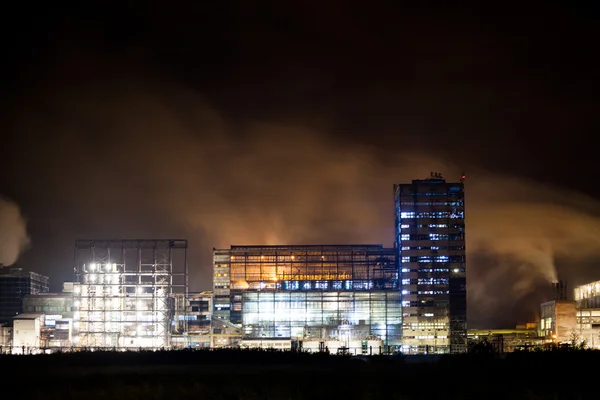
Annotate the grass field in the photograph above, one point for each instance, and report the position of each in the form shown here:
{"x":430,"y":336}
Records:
{"x":249,"y":375}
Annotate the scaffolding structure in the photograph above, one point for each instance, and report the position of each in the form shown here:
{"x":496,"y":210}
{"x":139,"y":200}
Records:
{"x":330,"y":292}
{"x":124,"y":291}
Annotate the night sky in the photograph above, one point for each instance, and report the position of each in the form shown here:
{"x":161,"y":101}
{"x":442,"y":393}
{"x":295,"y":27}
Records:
{"x":273,"y":123}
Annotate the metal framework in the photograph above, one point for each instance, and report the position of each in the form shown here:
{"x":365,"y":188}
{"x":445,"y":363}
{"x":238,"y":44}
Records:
{"x":124,"y":291}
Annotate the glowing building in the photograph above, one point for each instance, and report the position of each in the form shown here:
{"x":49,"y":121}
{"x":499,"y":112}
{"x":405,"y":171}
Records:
{"x":124,"y":290}
{"x":342,"y":293}
{"x":430,"y":240}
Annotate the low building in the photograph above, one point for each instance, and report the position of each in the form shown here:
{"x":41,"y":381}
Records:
{"x":588,"y":327}
{"x":558,"y":322}
{"x":508,"y":340}
{"x":27,"y":333}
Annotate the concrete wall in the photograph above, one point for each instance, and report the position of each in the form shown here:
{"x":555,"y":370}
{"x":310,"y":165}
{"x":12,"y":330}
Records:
{"x":566,"y":320}
{"x":26,"y":332}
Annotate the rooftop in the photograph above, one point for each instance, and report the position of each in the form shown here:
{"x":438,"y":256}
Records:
{"x":28,"y":316}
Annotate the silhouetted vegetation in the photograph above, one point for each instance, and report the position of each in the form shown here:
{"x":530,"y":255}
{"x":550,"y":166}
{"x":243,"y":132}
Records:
{"x":255,"y":374}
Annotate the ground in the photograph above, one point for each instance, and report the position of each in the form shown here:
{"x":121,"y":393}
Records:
{"x":249,"y":375}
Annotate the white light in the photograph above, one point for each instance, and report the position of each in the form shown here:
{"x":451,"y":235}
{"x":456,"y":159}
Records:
{"x":456,"y":270}
{"x":92,"y":278}
{"x":140,"y":290}
{"x":92,"y":266}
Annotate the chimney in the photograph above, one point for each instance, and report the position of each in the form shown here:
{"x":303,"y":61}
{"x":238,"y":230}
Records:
{"x":560,"y":290}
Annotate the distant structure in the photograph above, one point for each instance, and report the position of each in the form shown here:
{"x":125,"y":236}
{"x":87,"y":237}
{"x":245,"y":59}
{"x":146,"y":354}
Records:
{"x":560,"y":290}
{"x":15,"y":284}
{"x":430,"y":240}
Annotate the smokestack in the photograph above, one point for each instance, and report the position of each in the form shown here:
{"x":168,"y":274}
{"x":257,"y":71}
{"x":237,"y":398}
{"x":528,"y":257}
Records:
{"x":560,"y":290}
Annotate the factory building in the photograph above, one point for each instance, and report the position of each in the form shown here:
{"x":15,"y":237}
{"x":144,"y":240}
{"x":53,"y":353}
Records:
{"x":572,"y":322}
{"x":27,"y":330}
{"x":522,"y":337}
{"x":587,"y":299}
{"x":15,"y":284}
{"x":322,"y":296}
{"x":124,"y":293}
{"x":196,"y":310}
{"x":356,"y":299}
{"x":430,"y":240}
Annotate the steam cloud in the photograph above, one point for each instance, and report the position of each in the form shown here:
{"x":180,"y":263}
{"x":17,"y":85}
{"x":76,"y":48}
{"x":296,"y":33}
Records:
{"x":13,"y":232}
{"x":159,"y":162}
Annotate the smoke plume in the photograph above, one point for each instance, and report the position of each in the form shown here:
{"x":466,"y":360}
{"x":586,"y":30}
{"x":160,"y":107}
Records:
{"x":13,"y":232}
{"x":127,"y":159}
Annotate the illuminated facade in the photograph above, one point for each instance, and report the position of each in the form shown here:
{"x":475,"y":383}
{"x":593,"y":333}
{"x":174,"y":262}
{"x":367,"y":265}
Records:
{"x":341,"y":292}
{"x":430,"y":240}
{"x":587,"y":298}
{"x":123,"y":296}
{"x":588,"y":295}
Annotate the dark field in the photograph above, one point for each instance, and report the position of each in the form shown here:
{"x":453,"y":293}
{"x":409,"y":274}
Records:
{"x":253,"y":375}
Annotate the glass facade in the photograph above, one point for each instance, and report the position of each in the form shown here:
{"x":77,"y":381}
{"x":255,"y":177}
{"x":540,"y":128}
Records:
{"x":15,"y":284}
{"x":430,"y":240}
{"x":350,"y":315}
{"x":49,"y":303}
{"x":303,"y":291}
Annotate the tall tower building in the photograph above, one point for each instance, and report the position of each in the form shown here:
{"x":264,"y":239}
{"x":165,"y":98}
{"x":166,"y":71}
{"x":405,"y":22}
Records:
{"x":430,"y":240}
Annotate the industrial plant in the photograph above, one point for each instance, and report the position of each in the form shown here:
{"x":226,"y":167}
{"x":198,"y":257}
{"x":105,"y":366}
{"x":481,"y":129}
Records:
{"x":361,"y":299}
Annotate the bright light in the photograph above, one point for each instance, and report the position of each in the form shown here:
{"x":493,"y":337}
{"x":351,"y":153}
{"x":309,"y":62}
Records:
{"x":456,"y":270}
{"x":92,"y":266}
{"x":140,"y":290}
{"x":92,"y":278}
